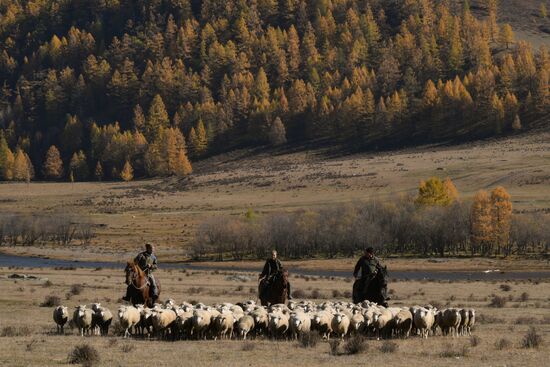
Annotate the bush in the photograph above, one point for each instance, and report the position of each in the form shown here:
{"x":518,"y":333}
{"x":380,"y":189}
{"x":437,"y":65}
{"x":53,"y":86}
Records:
{"x":389,"y":347}
{"x":298,"y":293}
{"x":453,"y":351}
{"x":10,"y":331}
{"x":76,"y":289}
{"x":248,"y":346}
{"x":488,"y":319}
{"x":526,"y":320}
{"x":497,"y":302}
{"x":51,"y":301}
{"x":84,"y":354}
{"x":475,"y":340}
{"x":502,"y":344}
{"x":532,"y":339}
{"x":524,"y":297}
{"x":127,"y":348}
{"x":47,"y":284}
{"x":355,"y":345}
{"x":505,"y":287}
{"x":309,"y":340}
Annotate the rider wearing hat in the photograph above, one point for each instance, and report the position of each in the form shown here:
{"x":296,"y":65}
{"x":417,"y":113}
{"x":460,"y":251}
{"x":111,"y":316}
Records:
{"x":369,"y":265}
{"x":271,"y":267}
{"x":147,"y":261}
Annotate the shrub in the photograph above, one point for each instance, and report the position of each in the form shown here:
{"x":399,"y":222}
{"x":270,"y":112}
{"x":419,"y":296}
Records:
{"x":127,"y":348}
{"x":389,"y":347}
{"x":84,"y":354}
{"x":453,"y":351}
{"x":505,"y":287}
{"x":497,"y":302}
{"x":309,"y":340}
{"x":532,"y":339}
{"x":248,"y":346}
{"x":10,"y":331}
{"x":488,"y":319}
{"x":51,"y":301}
{"x":502,"y":344}
{"x":334,"y":345}
{"x":524,"y":297}
{"x":355,"y":345}
{"x":316,"y":294}
{"x":475,"y":340}
{"x":336,"y":293}
{"x":76,"y":289}
{"x":526,"y":320}
{"x":299,"y":293}
{"x":47,"y":284}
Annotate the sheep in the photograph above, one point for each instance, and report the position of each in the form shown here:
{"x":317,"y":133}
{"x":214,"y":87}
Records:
{"x":244,"y":326}
{"x":200,"y":323}
{"x":403,"y":323}
{"x":464,"y":321}
{"x":163,"y":322}
{"x":184,"y":323}
{"x":382,"y":322}
{"x":340,"y":324}
{"x":101,"y":319}
{"x":299,"y":323}
{"x":278,"y":324}
{"x":82,"y":318}
{"x":261,"y":320}
{"x":471,"y":320}
{"x":449,"y":320}
{"x":129,"y":317}
{"x":322,"y":322}
{"x":424,"y":320}
{"x":60,"y":317}
{"x":357,"y":322}
{"x":223,"y":325}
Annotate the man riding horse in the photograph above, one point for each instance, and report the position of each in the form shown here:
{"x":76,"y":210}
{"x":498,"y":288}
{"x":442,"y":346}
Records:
{"x":370,"y":267}
{"x":147,"y":261}
{"x":272,"y":266}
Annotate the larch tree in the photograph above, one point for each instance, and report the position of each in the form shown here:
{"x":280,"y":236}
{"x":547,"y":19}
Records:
{"x":98,"y":171}
{"x":7,"y":160}
{"x":277,"y":132}
{"x":79,"y":166}
{"x":436,"y":192}
{"x":516,"y":124}
{"x":127,"y":173}
{"x":542,"y":10}
{"x":139,"y":120}
{"x":157,"y":118}
{"x":481,"y":223}
{"x":507,"y":36}
{"x":202,"y":140}
{"x":53,"y":165}
{"x":501,"y":217}
{"x":22,"y":171}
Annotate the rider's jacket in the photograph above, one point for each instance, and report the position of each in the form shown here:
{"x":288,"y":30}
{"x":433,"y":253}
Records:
{"x":367,"y":266}
{"x":271,"y":267}
{"x":146,"y":261}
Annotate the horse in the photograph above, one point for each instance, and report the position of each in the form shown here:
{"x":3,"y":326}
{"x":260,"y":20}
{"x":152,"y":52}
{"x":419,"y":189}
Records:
{"x":277,"y":291}
{"x":139,"y":290}
{"x":370,"y":289}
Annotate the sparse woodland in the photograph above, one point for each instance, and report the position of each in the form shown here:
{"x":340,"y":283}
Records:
{"x":130,"y":89}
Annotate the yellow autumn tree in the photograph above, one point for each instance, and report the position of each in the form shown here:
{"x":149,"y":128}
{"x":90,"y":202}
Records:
{"x":436,"y":192}
{"x":127,"y":173}
{"x":501,"y":217}
{"x":22,"y":171}
{"x":481,"y":226}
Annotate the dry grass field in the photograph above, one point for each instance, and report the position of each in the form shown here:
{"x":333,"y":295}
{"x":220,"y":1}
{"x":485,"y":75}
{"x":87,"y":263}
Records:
{"x":168,"y":211}
{"x":39,"y":346}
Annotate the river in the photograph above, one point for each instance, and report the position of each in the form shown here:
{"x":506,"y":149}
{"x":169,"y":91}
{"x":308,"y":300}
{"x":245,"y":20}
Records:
{"x":38,"y":262}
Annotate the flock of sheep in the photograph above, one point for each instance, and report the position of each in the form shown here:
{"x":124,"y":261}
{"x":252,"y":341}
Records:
{"x":225,"y":321}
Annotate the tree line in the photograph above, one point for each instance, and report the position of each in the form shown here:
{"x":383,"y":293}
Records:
{"x":434,"y":223}
{"x":116,"y":90}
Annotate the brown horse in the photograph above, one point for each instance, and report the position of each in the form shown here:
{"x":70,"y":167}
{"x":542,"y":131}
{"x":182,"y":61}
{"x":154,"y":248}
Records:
{"x":277,"y":291}
{"x":139,"y":290}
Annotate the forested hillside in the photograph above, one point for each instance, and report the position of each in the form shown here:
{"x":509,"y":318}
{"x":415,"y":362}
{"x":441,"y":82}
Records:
{"x":117,"y":89}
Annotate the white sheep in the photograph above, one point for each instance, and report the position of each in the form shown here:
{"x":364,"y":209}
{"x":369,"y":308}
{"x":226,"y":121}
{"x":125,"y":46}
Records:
{"x":449,"y":320}
{"x":82,"y":319}
{"x":129,"y":317}
{"x":340,"y":324}
{"x":201,"y":323}
{"x":357,"y":322}
{"x":464,"y":321}
{"x":163,"y":322}
{"x":101,"y":319}
{"x":60,"y":317}
{"x":223,"y":325}
{"x":424,"y":320}
{"x":278,"y":324}
{"x":299,"y":323}
{"x":244,"y":326}
{"x":403,"y":323}
{"x":382,"y":322}
{"x":471,"y":320}
{"x":322,"y":322}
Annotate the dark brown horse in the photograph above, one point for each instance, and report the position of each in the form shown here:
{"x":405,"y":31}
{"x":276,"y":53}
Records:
{"x":371,"y":289}
{"x":139,"y":290}
{"x":277,"y":291}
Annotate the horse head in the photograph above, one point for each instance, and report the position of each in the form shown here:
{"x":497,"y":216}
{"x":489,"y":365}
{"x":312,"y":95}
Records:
{"x":130,"y":270}
{"x":284,"y":276}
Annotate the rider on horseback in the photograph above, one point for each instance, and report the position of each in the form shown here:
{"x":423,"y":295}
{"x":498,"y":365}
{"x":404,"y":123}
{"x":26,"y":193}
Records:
{"x":369,"y":265}
{"x":147,"y":261}
{"x":271,"y":267}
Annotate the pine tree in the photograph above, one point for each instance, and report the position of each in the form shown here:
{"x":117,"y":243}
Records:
{"x":506,"y":35}
{"x":157,"y":118}
{"x":501,"y":216}
{"x":183,"y":166}
{"x":7,"y":160}
{"x":53,"y":165}
{"x":202,"y":141}
{"x":127,"y":173}
{"x":516,"y":124}
{"x":277,"y":132}
{"x":139,"y":119}
{"x":481,"y":223}
{"x":193,"y":142}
